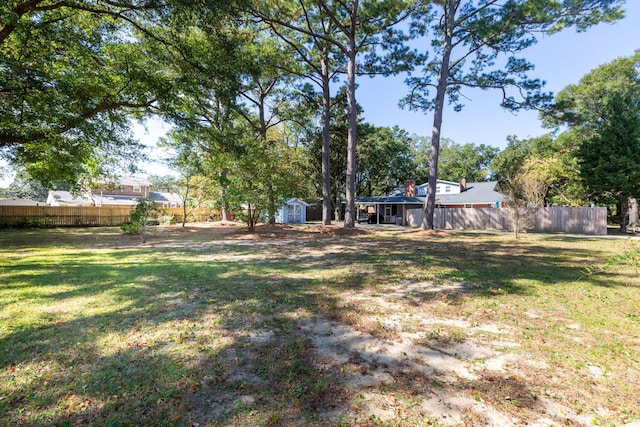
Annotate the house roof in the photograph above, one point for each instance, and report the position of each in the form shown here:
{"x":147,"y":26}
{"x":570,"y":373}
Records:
{"x":66,"y":198}
{"x":165,"y":197}
{"x":112,"y":200}
{"x":20,"y":202}
{"x":391,"y":200}
{"x":475,"y":193}
{"x":134,"y":180}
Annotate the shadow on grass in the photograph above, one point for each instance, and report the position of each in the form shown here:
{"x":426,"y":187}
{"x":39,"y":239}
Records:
{"x":63,"y":377}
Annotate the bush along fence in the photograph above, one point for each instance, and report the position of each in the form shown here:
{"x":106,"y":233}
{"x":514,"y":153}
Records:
{"x":85,"y":216}
{"x":546,"y":220}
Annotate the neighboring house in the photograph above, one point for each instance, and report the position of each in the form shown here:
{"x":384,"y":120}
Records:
{"x":293,"y":211}
{"x":20,"y":202}
{"x":473,"y":195}
{"x":126,"y":186}
{"x":393,"y":208}
{"x":125,"y":193}
{"x":442,"y":187}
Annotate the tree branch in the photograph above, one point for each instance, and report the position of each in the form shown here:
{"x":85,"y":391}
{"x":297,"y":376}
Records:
{"x":8,"y":139}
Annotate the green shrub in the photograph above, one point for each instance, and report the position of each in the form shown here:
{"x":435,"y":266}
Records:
{"x":35,"y":223}
{"x":139,"y":217}
{"x":165,"y":220}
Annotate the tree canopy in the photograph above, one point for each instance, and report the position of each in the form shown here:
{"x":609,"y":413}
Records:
{"x":71,"y":76}
{"x":602,"y":112}
{"x":468,"y":161}
{"x":546,"y":162}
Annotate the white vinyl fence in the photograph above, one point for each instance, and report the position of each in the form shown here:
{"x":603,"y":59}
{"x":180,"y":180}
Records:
{"x":553,"y":220}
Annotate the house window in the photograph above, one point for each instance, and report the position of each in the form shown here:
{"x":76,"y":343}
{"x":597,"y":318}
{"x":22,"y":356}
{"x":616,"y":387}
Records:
{"x":447,"y":189}
{"x":173,"y":205}
{"x":437,"y":188}
{"x":165,"y":204}
{"x":137,"y":189}
{"x":468,"y":205}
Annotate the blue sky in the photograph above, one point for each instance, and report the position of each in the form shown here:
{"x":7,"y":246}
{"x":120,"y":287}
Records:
{"x":560,"y":60}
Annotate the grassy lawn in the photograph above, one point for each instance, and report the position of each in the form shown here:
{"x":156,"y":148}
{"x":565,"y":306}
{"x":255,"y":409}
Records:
{"x":316,"y":326}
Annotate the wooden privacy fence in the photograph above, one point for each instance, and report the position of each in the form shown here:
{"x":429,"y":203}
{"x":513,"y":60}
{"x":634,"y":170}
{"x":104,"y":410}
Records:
{"x":87,"y":216}
{"x":194,"y":215}
{"x":62,"y":216}
{"x":552,"y":220}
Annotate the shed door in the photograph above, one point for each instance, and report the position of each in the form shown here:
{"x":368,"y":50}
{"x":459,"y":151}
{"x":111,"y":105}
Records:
{"x":294,"y":214}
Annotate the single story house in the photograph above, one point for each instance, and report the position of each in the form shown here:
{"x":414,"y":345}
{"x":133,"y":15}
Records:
{"x":125,"y":193}
{"x":293,"y":211}
{"x":65,"y":198}
{"x":393,"y":207}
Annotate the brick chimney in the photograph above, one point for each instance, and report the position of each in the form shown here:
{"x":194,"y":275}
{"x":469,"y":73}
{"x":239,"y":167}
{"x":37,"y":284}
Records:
{"x":463,"y":185}
{"x":410,"y":188}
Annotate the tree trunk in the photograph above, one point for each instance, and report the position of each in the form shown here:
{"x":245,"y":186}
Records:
{"x":349,"y":214}
{"x":271,"y":203}
{"x":633,"y":213}
{"x":430,"y":200}
{"x":184,"y":206}
{"x":252,"y":218}
{"x":225,"y":215}
{"x":326,"y":139}
{"x":624,"y":210}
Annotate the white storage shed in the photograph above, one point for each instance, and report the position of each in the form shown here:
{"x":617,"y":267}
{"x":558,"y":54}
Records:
{"x":293,"y":211}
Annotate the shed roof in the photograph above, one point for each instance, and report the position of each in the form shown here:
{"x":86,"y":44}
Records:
{"x":295,"y":201}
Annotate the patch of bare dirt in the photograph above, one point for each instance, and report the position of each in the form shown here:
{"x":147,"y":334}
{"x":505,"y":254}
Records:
{"x":309,"y":231}
{"x":433,"y":371}
{"x":338,"y":231}
{"x":430,"y":233}
{"x":217,"y":228}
